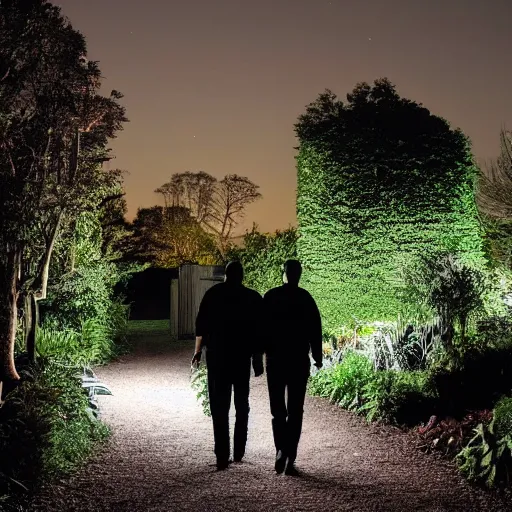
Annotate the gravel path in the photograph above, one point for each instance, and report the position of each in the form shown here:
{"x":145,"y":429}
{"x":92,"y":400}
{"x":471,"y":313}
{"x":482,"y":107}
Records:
{"x":161,"y":455}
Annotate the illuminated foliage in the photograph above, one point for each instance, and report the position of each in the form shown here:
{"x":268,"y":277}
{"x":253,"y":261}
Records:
{"x":54,"y":131}
{"x":263,"y":255}
{"x":167,"y":237}
{"x":379,"y":179}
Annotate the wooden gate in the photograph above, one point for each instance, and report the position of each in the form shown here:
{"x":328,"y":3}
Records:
{"x":186,"y":294}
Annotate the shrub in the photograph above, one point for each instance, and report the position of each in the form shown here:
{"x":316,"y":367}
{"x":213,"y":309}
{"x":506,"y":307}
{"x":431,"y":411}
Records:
{"x":503,"y":417}
{"x":344,"y":383}
{"x":46,"y":428}
{"x":450,"y":435}
{"x":85,"y":294}
{"x":401,"y":345}
{"x":452,"y":290}
{"x":493,"y":332}
{"x":199,"y":381}
{"x":471,"y":378}
{"x":404,"y":398}
{"x":487,"y":459}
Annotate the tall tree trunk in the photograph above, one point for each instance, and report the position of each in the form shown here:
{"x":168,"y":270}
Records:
{"x":45,"y":267}
{"x":31,"y":324}
{"x":9,"y":315}
{"x":40,"y":293}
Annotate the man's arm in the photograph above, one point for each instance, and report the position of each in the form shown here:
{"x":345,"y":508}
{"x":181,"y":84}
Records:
{"x":316,"y":333}
{"x":201,"y":326}
{"x":198,"y":350}
{"x":257,"y":336}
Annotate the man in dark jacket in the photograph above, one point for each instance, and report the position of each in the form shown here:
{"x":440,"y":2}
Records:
{"x":228,"y":325}
{"x":293,"y":328}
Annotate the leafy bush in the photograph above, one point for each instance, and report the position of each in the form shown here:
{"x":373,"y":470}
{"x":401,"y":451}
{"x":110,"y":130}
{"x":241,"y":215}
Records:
{"x":450,"y":435}
{"x":85,"y":294}
{"x":471,"y":378}
{"x":344,"y":383}
{"x":487,"y":459}
{"x":46,"y":428}
{"x":199,"y":381}
{"x":451,"y":289}
{"x":503,"y":417}
{"x":263,"y":256}
{"x":398,"y":397}
{"x":388,"y":395}
{"x":493,"y":332}
{"x":92,"y":344}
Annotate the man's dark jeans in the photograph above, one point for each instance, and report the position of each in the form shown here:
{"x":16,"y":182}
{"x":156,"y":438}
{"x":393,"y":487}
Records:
{"x":223,"y":377}
{"x":287,"y":411}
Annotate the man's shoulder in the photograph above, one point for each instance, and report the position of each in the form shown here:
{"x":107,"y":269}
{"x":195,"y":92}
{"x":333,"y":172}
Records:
{"x":305,"y":295}
{"x":215,"y":289}
{"x":252,"y":294}
{"x":304,"y":292}
{"x":273,"y":292}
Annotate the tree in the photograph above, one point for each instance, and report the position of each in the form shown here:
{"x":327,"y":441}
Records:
{"x":54,"y":130}
{"x":217,"y":206}
{"x":169,"y":236}
{"x":495,"y":182}
{"x":379,"y":178}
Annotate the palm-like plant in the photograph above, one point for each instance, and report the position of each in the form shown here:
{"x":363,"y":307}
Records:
{"x":451,"y":289}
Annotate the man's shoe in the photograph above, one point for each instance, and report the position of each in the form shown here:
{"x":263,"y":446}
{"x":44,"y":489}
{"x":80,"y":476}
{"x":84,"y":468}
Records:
{"x":238,"y":456}
{"x":291,"y":470}
{"x":222,"y":465}
{"x":280,"y":462}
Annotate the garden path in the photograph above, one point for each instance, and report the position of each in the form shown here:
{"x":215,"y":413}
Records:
{"x":161,"y":457}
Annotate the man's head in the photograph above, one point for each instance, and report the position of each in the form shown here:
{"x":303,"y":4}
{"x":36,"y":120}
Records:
{"x":292,"y":272}
{"x":234,"y":273}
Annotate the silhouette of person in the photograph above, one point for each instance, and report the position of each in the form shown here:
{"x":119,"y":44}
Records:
{"x":227,"y":324}
{"x":294,"y":327}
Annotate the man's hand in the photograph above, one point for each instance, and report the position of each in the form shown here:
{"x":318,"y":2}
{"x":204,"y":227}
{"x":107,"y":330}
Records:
{"x":197,"y":358}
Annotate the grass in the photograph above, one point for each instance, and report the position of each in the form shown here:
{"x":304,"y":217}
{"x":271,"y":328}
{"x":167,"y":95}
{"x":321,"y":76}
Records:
{"x":148,"y":327}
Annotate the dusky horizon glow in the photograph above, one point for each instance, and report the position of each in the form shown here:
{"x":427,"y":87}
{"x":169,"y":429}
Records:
{"x":218,"y":85}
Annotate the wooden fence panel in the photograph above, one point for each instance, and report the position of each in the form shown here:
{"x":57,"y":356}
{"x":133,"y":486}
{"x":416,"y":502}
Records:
{"x":194,"y":281}
{"x":174,"y":317}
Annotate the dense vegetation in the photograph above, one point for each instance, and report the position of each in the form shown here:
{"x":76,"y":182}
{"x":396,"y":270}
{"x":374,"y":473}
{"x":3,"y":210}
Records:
{"x":412,"y":281}
{"x":61,"y":229}
{"x":196,"y":223}
{"x":379,"y":179}
{"x":263,"y":255}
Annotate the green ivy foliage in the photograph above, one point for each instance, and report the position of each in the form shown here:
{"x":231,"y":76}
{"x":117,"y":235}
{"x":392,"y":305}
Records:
{"x":379,"y":178}
{"x":263,"y":255}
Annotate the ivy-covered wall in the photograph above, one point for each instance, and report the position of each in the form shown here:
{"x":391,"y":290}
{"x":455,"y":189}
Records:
{"x":263,"y":255}
{"x":379,"y":180}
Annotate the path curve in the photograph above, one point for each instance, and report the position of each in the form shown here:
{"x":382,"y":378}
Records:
{"x":161,"y":455}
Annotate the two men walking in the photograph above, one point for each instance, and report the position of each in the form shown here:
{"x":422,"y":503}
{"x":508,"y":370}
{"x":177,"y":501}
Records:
{"x":236,"y":326}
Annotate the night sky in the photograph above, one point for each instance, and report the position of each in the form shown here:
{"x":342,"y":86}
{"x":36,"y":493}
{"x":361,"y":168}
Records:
{"x":216,"y":85}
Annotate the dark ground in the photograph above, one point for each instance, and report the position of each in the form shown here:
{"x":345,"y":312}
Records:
{"x":161,"y":455}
